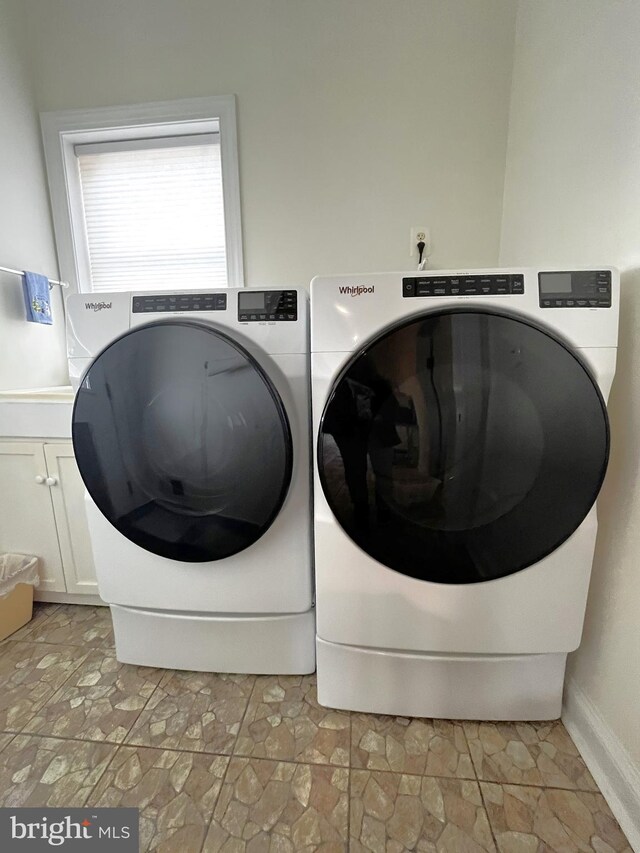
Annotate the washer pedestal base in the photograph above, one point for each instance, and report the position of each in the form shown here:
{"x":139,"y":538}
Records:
{"x":264,"y":645}
{"x":455,"y":686}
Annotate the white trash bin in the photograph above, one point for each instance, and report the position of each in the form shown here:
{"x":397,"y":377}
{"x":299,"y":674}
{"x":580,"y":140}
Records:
{"x":18,"y":576}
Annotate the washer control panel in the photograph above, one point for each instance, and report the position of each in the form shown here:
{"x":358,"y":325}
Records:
{"x":262,"y":306}
{"x":179,"y":302}
{"x":463,"y":285}
{"x":580,"y":289}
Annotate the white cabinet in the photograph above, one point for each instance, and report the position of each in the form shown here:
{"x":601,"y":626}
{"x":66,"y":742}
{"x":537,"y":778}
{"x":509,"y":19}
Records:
{"x":27,"y":523}
{"x":42,"y":513}
{"x":67,"y":496}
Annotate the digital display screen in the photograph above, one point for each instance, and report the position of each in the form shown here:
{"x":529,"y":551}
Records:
{"x":251,"y":301}
{"x":555,"y":282}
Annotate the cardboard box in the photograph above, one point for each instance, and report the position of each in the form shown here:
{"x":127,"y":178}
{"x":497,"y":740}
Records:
{"x":16,"y":609}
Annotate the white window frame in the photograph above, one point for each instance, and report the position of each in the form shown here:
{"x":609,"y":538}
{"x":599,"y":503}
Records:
{"x":63,"y":130}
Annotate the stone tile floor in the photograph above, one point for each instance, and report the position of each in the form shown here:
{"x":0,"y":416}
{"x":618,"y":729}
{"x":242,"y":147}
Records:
{"x":234,"y":762}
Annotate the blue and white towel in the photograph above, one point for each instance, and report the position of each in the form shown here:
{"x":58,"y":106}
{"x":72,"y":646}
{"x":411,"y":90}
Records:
{"x":37,"y":297}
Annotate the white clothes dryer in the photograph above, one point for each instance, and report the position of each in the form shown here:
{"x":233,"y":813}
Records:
{"x":461,"y":439}
{"x":191,"y":433}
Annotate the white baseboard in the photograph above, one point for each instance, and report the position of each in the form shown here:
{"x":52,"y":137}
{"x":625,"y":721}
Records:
{"x":68,"y":598}
{"x":617,"y":776}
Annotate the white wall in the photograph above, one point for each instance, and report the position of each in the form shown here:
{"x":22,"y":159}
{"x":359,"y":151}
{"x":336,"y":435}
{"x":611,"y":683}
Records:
{"x":30,"y":355}
{"x":572,"y":196}
{"x":356,"y":119}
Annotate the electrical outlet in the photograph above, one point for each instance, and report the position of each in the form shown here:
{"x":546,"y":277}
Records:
{"x":419,"y":233}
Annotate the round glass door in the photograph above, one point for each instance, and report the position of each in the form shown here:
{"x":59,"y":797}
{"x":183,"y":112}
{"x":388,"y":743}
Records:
{"x":462,"y":446}
{"x":182,"y":441}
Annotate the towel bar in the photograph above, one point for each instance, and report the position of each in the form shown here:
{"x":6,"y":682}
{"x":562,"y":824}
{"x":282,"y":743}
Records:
{"x":52,"y":281}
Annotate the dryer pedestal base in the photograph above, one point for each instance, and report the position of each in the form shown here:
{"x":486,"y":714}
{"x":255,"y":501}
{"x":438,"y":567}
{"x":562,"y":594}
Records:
{"x":263,"y":645}
{"x":456,"y":686}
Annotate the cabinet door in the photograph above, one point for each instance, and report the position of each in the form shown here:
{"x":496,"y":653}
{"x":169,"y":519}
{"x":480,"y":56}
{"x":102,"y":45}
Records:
{"x":27,"y":524}
{"x":67,"y":494}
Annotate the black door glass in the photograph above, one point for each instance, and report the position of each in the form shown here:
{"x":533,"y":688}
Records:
{"x":182,"y":441}
{"x":462,"y":446}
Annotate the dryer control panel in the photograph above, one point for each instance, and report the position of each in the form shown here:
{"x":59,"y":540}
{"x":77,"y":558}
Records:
{"x":463,"y":285}
{"x":262,"y":306}
{"x":580,"y":289}
{"x":156,"y":303}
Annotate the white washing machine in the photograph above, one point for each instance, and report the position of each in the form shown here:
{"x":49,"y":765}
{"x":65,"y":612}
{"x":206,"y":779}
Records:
{"x":462,"y":438}
{"x":191,"y":432}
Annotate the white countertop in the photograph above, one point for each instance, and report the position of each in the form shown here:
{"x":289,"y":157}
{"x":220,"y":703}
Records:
{"x":36,"y":412}
{"x":56,"y":393}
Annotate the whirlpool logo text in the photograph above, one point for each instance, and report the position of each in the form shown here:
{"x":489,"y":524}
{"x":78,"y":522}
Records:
{"x":356,"y":290}
{"x":97,"y":306}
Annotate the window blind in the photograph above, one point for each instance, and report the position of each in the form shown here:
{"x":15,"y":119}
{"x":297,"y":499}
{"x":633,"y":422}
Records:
{"x":154,"y":215}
